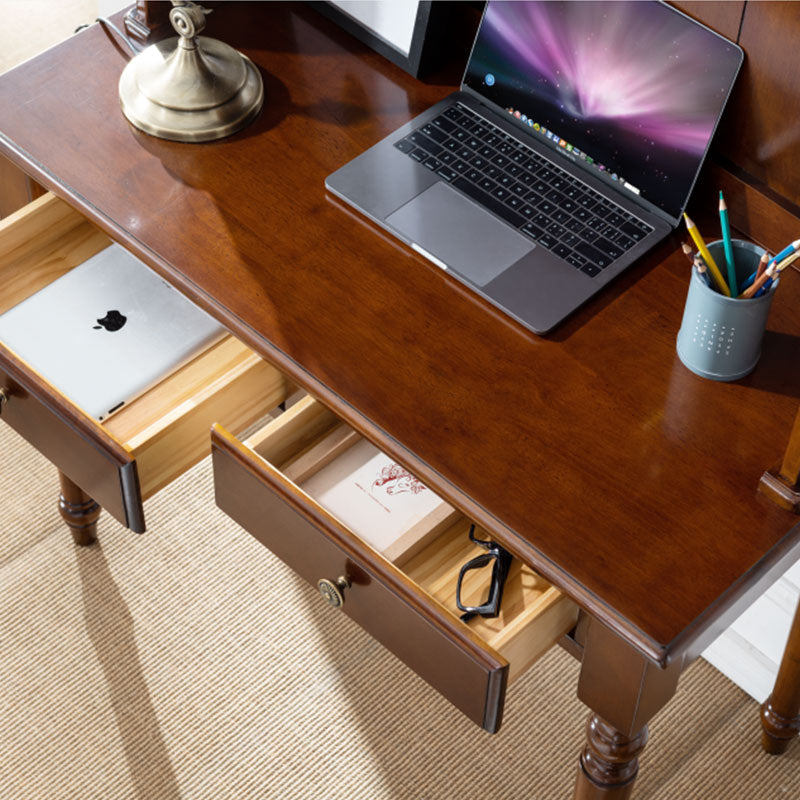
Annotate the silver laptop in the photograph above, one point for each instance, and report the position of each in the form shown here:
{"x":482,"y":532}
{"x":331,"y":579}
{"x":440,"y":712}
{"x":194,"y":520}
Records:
{"x":116,"y":317}
{"x":570,"y":150}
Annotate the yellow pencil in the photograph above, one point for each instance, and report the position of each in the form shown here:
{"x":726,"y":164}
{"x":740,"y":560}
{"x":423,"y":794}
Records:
{"x":710,"y":263}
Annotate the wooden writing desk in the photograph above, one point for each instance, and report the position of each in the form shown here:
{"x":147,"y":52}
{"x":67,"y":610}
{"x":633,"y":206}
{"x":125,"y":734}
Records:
{"x":592,"y":453}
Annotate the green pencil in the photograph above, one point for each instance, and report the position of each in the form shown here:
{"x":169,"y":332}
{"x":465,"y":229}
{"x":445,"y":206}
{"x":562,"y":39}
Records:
{"x":726,"y":243}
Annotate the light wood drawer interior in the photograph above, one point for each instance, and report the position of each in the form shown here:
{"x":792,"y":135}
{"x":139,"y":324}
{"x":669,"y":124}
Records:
{"x":307,"y":439}
{"x":166,"y":429}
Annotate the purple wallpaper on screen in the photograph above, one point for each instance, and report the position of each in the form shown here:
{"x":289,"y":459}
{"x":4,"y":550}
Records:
{"x":635,"y":85}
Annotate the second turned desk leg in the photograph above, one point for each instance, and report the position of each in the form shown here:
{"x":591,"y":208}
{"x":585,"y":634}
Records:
{"x":79,"y":511}
{"x":624,"y":690}
{"x":780,"y":714}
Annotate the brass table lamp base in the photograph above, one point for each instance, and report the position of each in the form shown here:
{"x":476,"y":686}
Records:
{"x":190,"y":88}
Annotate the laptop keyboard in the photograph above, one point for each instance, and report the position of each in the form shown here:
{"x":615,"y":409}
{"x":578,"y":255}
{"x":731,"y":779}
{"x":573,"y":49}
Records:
{"x":543,"y":201}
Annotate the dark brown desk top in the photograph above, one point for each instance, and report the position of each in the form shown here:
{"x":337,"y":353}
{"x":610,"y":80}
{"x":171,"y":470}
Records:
{"x":593,"y":453}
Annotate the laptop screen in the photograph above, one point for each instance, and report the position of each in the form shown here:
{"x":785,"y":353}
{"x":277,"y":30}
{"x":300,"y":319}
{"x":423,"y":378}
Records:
{"x":634,"y":90}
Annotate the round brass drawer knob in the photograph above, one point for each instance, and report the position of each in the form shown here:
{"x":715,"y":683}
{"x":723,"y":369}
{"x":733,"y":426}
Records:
{"x":333,"y":591}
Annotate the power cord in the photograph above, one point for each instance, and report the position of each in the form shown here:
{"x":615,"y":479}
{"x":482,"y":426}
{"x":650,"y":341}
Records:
{"x":109,"y":24}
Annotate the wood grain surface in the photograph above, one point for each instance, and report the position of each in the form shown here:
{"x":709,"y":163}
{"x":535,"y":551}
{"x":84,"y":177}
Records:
{"x":592,"y":453}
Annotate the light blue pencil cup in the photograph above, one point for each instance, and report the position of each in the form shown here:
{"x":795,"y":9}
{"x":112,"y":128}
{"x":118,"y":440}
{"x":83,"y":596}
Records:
{"x":720,"y":337}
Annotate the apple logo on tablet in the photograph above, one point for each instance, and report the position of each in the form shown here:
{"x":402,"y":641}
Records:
{"x":112,"y":321}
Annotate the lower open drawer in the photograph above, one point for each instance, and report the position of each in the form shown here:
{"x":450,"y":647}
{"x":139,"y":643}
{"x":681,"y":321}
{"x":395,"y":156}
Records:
{"x":396,"y":579}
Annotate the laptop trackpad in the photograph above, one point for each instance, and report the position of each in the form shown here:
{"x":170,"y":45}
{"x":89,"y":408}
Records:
{"x":461,"y":234}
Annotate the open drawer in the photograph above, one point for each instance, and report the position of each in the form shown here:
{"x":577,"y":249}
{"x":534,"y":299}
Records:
{"x":158,"y":436}
{"x":274,"y":485}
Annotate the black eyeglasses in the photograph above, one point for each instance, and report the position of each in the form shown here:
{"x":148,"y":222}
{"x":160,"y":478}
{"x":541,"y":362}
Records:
{"x":501,"y":561}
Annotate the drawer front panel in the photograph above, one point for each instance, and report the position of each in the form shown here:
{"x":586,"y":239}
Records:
{"x":79,"y":448}
{"x":380,"y":599}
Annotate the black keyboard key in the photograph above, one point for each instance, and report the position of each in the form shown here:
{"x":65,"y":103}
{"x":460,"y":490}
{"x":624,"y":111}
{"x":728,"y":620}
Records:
{"x":500,"y":193}
{"x":609,"y":231}
{"x":540,"y":187}
{"x":486,"y":152}
{"x":575,"y":225}
{"x":432,"y":163}
{"x":435,"y":133}
{"x":546,"y":207}
{"x":506,"y":148}
{"x":474,"y":143}
{"x":404,"y":146}
{"x":520,"y":157}
{"x":587,"y":201}
{"x":493,"y":172}
{"x":632,"y":230}
{"x":446,"y":157}
{"x":500,"y":161}
{"x":474,"y":175}
{"x":614,"y":219}
{"x":447,"y":173}
{"x":593,"y":256}
{"x":444,"y":124}
{"x":515,"y":202}
{"x":555,"y":196}
{"x":479,"y":162}
{"x":595,"y":223}
{"x":520,"y":190}
{"x":527,"y":211}
{"x":532,"y":231}
{"x":546,"y":240}
{"x":576,"y":260}
{"x":554,"y":229}
{"x":559,"y":215}
{"x":452,"y":145}
{"x":609,"y":248}
{"x":602,"y":210}
{"x":461,"y":135}
{"x":561,"y":250}
{"x":514,"y":169}
{"x":492,"y":140}
{"x":570,"y":239}
{"x":489,"y":202}
{"x":421,"y":140}
{"x":625,"y":242}
{"x":454,"y":114}
{"x":542,"y":220}
{"x":558,"y":183}
{"x":547,"y":175}
{"x":506,"y":180}
{"x":464,"y":152}
{"x":527,"y":178}
{"x":568,"y":205}
{"x":418,"y":154}
{"x":485,"y":184}
{"x":591,"y":269}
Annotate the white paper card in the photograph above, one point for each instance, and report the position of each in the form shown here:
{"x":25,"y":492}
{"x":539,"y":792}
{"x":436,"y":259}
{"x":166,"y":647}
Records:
{"x":392,"y":20}
{"x":371,"y":494}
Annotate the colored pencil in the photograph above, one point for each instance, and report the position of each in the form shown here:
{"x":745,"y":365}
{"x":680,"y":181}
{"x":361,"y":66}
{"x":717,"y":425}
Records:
{"x":758,"y":282}
{"x":710,"y":263}
{"x":762,"y":265}
{"x":727,"y":245}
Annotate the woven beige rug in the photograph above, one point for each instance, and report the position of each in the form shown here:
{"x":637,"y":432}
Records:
{"x":189,"y":663}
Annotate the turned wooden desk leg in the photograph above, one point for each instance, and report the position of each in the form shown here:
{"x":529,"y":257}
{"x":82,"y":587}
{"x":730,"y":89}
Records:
{"x":624,"y":690}
{"x":79,"y":511}
{"x":780,"y":714}
{"x":609,"y":762}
